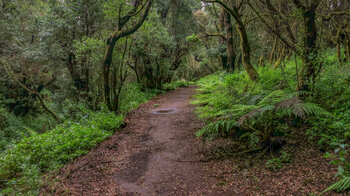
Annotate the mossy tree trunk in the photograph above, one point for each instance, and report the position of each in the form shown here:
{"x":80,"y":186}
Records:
{"x":272,"y":54}
{"x":308,"y":53}
{"x":111,"y":42}
{"x":347,"y":47}
{"x":245,"y":49}
{"x":308,"y":50}
{"x":223,"y":41}
{"x":338,"y":46}
{"x":244,"y":42}
{"x":230,"y":48}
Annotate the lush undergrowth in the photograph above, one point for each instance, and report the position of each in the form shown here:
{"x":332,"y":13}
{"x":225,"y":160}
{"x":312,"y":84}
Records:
{"x":29,"y":153}
{"x":176,"y":84}
{"x":24,"y":162}
{"x":261,"y":113}
{"x":14,"y":127}
{"x":133,"y":95}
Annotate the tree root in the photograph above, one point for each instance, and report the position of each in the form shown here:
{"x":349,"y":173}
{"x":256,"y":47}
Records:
{"x":262,"y":153}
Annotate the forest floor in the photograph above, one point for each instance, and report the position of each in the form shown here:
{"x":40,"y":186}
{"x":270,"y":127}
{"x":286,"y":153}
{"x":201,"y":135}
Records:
{"x":157,"y":153}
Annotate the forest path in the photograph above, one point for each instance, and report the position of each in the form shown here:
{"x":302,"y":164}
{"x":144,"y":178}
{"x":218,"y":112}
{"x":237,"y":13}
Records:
{"x":156,"y":154}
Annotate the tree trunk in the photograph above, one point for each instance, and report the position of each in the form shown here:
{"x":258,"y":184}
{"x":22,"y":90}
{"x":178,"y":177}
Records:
{"x":107,"y":62}
{"x":48,"y":110}
{"x":223,"y":59}
{"x":77,"y":78}
{"x":119,"y":33}
{"x":279,"y":60}
{"x":338,"y":46}
{"x":231,"y":56}
{"x":223,"y":54}
{"x":309,"y":51}
{"x":347,"y":50}
{"x":261,"y":61}
{"x":136,"y":71}
{"x":245,"y":48}
{"x":273,"y":51}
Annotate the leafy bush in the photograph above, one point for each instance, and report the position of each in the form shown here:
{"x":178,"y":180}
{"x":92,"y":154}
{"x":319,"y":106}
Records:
{"x":26,"y":159}
{"x":103,"y":120}
{"x":340,"y":158}
{"x":332,"y":91}
{"x":176,"y":84}
{"x":340,"y":186}
{"x":24,"y":162}
{"x":235,"y":107}
{"x":256,"y":112}
{"x":333,"y":132}
{"x":133,"y":95}
{"x":14,"y":127}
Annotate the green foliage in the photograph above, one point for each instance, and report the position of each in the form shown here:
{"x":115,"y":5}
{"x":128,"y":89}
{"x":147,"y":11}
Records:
{"x":176,"y":84}
{"x":111,"y":8}
{"x":256,"y":112}
{"x":60,"y":46}
{"x":151,"y":42}
{"x":13,"y":127}
{"x":217,"y":128}
{"x":192,"y":38}
{"x":103,"y":120}
{"x":24,"y":162}
{"x":133,"y":95}
{"x":274,"y":164}
{"x":236,"y":107}
{"x":92,"y":47}
{"x":334,"y":130}
{"x":277,"y":163}
{"x":340,"y":186}
{"x":340,"y":158}
{"x":27,"y":159}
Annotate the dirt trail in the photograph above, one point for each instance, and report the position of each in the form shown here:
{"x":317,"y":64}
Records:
{"x":156,"y":154}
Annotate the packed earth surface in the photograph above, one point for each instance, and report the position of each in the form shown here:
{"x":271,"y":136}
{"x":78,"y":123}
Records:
{"x":157,"y":153}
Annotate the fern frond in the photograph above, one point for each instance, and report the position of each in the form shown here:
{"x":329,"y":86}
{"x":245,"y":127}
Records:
{"x":255,"y":113}
{"x":273,"y":98}
{"x":217,"y":128}
{"x":291,"y":106}
{"x":294,"y":106}
{"x":340,"y":186}
{"x":314,"y":109}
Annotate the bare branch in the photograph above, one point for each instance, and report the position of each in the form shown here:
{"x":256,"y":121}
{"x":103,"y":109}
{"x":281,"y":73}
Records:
{"x":287,"y":43}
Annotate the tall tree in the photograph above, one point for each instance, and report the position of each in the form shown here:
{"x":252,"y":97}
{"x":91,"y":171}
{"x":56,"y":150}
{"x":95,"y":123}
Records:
{"x":234,"y":8}
{"x":230,"y":47}
{"x":122,"y":30}
{"x":308,"y":50}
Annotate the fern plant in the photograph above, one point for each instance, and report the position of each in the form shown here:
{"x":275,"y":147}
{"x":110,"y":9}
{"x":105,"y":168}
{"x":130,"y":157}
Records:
{"x":340,"y":186}
{"x":340,"y":157}
{"x":253,"y":115}
{"x":265,"y":122}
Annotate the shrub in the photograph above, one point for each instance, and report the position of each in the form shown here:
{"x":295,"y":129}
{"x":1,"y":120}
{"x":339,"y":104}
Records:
{"x":176,"y":84}
{"x":133,"y":95}
{"x":235,"y":107}
{"x":32,"y":154}
{"x":24,"y":162}
{"x":256,"y":112}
